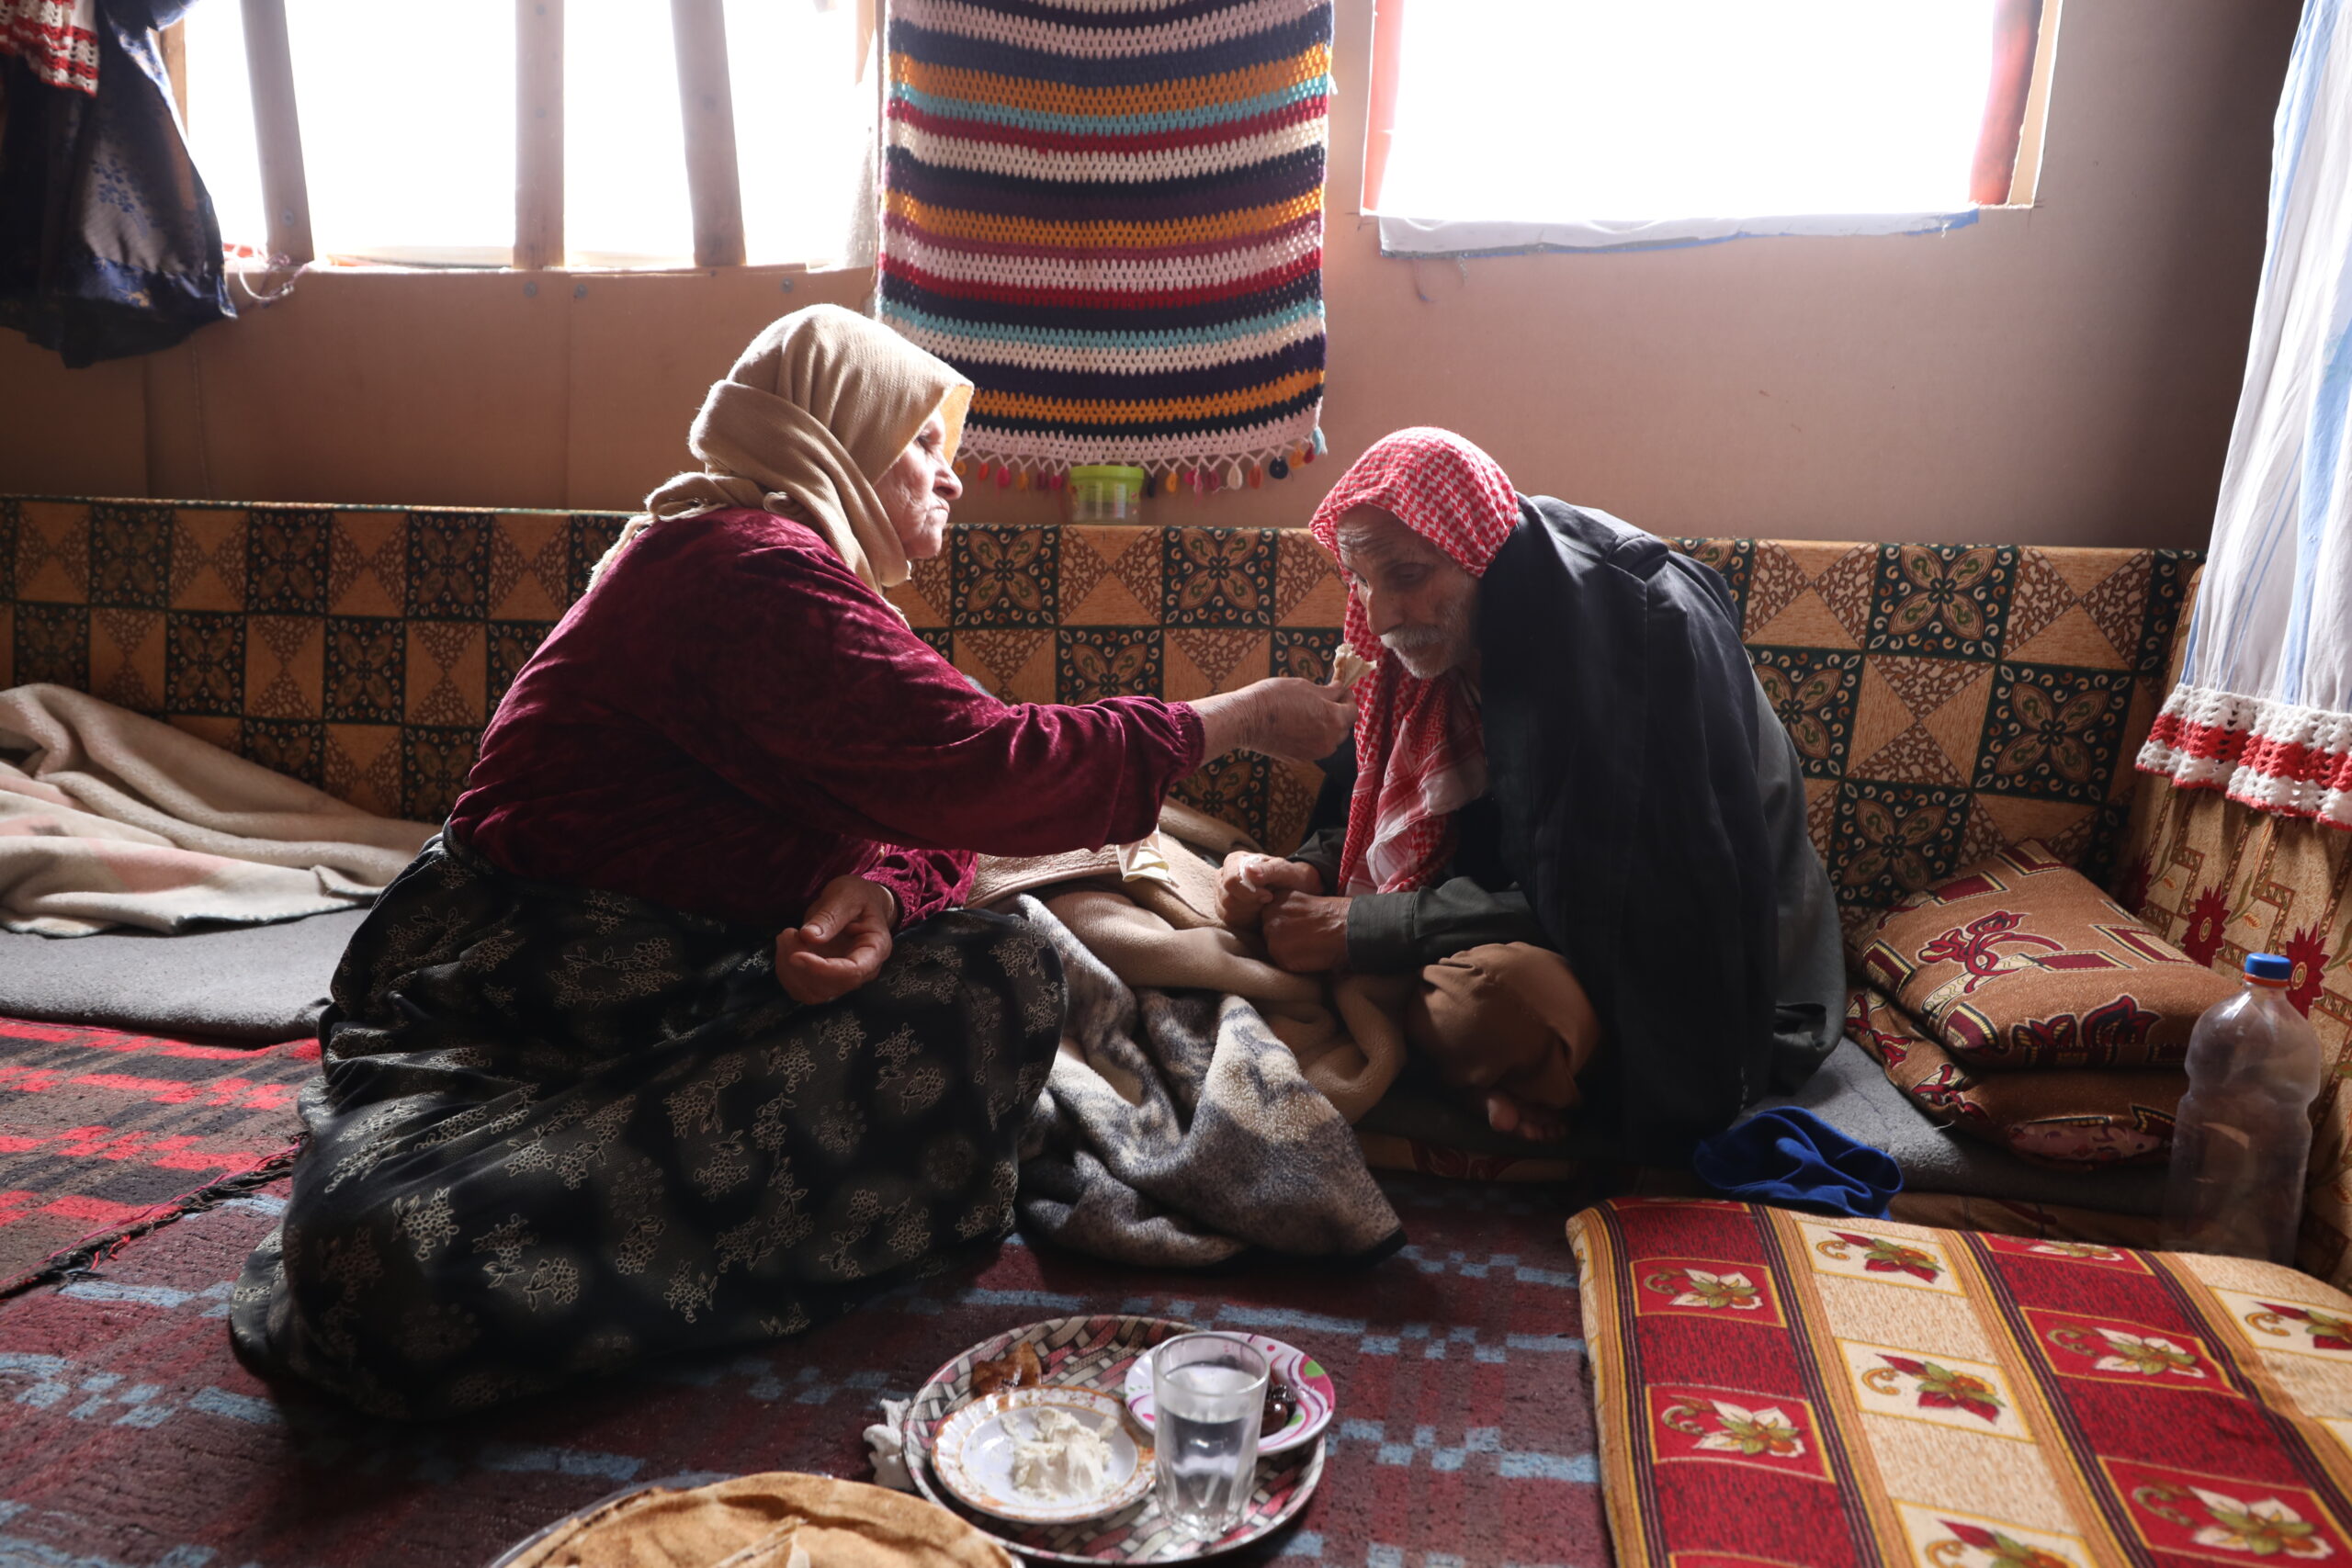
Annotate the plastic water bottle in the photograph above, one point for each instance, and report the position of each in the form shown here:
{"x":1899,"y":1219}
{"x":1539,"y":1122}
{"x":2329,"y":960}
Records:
{"x":2243,"y":1133}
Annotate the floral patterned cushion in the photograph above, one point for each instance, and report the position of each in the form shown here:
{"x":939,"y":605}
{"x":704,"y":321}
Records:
{"x":2017,"y":960}
{"x":2080,"y":1116}
{"x":1774,"y":1387}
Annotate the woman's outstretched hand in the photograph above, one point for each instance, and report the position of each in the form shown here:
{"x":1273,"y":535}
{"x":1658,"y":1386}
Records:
{"x":1284,"y":716}
{"x":841,"y":943}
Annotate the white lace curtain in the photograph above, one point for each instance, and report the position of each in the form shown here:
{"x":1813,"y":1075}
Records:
{"x":2264,"y":708}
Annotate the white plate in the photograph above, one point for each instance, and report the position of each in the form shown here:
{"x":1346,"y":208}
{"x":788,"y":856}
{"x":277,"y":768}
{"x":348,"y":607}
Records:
{"x":1311,"y":1391}
{"x":973,"y":1454}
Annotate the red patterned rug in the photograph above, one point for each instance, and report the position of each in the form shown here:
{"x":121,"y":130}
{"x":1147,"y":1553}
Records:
{"x":129,"y":1437}
{"x":103,"y":1133}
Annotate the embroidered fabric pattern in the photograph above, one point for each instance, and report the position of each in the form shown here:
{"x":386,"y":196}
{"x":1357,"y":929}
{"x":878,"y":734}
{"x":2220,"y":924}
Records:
{"x":57,"y":37}
{"x":1111,"y":217}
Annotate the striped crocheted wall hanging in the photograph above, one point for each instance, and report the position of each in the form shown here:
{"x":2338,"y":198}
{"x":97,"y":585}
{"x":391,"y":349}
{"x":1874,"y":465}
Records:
{"x":1109,"y":214}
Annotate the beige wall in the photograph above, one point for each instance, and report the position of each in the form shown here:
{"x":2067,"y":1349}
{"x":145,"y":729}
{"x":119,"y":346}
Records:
{"x":2063,"y":375}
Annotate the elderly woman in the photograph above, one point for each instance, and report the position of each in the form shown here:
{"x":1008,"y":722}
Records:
{"x":675,"y":1037}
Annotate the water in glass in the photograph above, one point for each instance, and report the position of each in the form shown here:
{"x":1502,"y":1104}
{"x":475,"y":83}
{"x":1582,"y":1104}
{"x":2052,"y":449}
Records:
{"x":1210,"y":1397}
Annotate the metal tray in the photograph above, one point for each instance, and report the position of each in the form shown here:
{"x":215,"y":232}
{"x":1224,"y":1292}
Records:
{"x":1096,"y":1352}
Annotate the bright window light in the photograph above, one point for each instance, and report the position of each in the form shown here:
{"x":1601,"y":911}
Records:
{"x":1555,"y":110}
{"x":804,"y":124}
{"x":408,"y":142}
{"x":408,"y":139}
{"x":221,"y":123}
{"x":623,"y":146}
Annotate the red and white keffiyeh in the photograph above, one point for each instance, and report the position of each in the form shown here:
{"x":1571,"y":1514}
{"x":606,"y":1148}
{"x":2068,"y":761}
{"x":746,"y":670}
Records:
{"x":1420,"y":751}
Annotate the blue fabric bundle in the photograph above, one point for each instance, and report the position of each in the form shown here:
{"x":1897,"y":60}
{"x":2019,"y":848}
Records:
{"x":1794,"y":1158}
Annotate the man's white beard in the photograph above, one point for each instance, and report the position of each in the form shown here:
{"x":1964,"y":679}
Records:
{"x":1427,"y":652}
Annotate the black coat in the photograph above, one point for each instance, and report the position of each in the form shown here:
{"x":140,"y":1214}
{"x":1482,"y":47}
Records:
{"x":1621,"y":742}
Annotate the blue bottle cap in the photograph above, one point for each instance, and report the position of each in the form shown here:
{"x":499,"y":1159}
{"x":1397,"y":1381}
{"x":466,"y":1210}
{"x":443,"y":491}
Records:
{"x":2269,"y":966}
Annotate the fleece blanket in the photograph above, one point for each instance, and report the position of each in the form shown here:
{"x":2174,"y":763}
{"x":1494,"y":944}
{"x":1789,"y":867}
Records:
{"x":249,"y":983}
{"x":110,"y":818}
{"x":1176,"y":1131}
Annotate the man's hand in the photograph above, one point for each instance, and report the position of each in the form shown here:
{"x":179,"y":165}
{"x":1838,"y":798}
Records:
{"x":841,"y":944}
{"x":1307,"y":934}
{"x":1248,"y":883}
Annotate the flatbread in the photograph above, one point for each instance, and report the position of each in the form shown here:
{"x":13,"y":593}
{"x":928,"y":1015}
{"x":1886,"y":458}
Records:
{"x":779,"y":1519}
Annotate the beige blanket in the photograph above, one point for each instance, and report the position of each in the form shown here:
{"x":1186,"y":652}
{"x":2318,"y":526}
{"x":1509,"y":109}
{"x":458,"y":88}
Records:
{"x":110,"y":818}
{"x":1148,"y":911}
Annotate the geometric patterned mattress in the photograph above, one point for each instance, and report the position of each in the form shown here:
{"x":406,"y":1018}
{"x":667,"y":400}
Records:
{"x":1945,"y":699}
{"x":1777,"y":1388}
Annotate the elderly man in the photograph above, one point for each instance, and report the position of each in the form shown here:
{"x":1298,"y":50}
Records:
{"x":1573,"y":816}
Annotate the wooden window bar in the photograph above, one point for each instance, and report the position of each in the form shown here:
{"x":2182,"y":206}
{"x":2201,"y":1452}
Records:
{"x":278,"y":131}
{"x":172,"y":42}
{"x":707,"y":101}
{"x":539,"y":133}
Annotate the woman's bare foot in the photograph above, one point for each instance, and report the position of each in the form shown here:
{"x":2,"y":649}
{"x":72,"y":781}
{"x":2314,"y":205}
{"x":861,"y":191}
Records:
{"x":1519,"y":1120}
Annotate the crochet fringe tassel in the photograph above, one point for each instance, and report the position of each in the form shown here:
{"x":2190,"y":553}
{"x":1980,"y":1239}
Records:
{"x":1006,"y":471}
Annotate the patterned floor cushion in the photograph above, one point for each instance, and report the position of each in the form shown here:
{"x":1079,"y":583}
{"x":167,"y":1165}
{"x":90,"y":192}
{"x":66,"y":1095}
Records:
{"x":2018,"y":961}
{"x":1775,"y":1388}
{"x":2060,"y":1117}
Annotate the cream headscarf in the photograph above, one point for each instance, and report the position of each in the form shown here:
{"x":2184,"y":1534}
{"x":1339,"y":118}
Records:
{"x":814,"y":412}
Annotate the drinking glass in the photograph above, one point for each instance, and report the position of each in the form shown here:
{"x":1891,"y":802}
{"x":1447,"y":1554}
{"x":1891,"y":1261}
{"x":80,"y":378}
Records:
{"x":1211,"y":1391}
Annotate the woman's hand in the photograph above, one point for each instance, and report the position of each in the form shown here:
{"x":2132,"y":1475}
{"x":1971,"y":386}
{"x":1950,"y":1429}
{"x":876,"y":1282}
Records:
{"x":841,"y":943}
{"x":1248,"y":883}
{"x":1307,"y":934}
{"x":1284,"y":716}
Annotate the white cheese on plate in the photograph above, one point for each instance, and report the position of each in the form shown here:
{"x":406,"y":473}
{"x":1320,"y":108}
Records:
{"x":1062,"y":1457}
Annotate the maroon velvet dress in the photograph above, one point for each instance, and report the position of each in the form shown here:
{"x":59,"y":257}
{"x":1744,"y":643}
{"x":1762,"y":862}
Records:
{"x":733,"y":719}
{"x":568,"y":1119}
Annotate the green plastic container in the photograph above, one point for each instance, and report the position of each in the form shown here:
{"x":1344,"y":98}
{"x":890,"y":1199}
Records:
{"x":1105,"y":492}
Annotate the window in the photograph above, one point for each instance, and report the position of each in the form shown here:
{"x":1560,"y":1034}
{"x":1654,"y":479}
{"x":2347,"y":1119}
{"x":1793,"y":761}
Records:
{"x":1501,"y":124}
{"x":408,"y":130}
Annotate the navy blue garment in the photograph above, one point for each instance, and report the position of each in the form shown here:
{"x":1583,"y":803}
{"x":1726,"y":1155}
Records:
{"x":1796,"y":1157}
{"x":107,"y":243}
{"x":1622,"y":736}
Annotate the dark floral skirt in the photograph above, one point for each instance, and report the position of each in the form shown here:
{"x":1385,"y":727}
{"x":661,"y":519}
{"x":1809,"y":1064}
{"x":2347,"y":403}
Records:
{"x":559,"y":1131}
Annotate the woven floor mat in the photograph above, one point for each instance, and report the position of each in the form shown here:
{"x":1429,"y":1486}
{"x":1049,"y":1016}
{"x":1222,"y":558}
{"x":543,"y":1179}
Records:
{"x":130,"y":1435}
{"x":104,"y":1133}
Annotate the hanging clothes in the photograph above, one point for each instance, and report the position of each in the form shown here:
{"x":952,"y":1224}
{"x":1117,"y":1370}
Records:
{"x":109,"y":246}
{"x":2264,"y":706}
